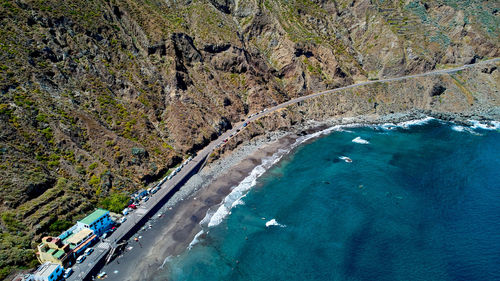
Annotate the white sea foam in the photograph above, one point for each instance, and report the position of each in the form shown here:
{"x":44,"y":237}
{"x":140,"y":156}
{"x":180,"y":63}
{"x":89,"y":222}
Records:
{"x":360,"y":141}
{"x":388,"y":126}
{"x":274,"y":222}
{"x":238,"y":202}
{"x":410,"y":123}
{"x":167,"y":259}
{"x":346,"y":159}
{"x":406,"y":124}
{"x":458,"y":128}
{"x":485,"y":125}
{"x":195,"y":240}
{"x":238,"y":192}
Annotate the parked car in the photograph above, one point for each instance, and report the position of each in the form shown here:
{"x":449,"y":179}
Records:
{"x":122,"y":220}
{"x":132,"y":206}
{"x":146,"y":199}
{"x":245,"y":124}
{"x":80,"y":259}
{"x":88,"y":251}
{"x":125,"y":211}
{"x":101,"y":275}
{"x":68,"y":272}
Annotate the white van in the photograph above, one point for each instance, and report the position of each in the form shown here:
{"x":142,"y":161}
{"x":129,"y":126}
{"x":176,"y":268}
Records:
{"x":88,"y":251}
{"x":68,"y":272}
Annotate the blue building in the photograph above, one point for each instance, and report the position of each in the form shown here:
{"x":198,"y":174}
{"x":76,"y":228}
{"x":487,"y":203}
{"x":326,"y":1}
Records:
{"x":99,"y":221}
{"x":47,"y":272}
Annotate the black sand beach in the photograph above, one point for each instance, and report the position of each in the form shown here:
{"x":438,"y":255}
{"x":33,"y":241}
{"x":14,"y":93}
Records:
{"x":171,"y":233}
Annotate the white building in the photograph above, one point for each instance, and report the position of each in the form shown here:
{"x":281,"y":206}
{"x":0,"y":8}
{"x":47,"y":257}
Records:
{"x":47,"y":272}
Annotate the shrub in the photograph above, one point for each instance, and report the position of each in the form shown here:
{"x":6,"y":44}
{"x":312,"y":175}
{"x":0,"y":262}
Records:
{"x":115,"y":202}
{"x":60,"y":226}
{"x":81,"y":170}
{"x":94,"y":181}
{"x":41,"y":118}
{"x":93,"y":166}
{"x":12,"y":223}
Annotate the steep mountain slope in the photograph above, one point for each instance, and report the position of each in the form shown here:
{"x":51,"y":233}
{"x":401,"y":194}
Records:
{"x":101,"y":97}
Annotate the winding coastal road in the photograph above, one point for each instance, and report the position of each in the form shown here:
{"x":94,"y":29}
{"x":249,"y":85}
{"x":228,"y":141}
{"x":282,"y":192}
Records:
{"x":146,"y":210}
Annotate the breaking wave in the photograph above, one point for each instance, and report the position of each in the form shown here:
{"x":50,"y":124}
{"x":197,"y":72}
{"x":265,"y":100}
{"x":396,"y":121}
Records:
{"x":274,"y":222}
{"x":360,"y":141}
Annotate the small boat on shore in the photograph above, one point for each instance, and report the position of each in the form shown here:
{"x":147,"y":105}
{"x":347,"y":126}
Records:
{"x":346,"y":159}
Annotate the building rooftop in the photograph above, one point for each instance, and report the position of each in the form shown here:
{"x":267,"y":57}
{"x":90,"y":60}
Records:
{"x":58,"y":254}
{"x":46,"y":269}
{"x":76,"y":238}
{"x":84,"y":245}
{"x":94,"y":216}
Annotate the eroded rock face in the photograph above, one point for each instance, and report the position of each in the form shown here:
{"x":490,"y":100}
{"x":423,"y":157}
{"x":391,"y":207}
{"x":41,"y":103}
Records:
{"x":83,"y":84}
{"x":445,"y":97}
{"x":437,"y":90}
{"x":224,"y":6}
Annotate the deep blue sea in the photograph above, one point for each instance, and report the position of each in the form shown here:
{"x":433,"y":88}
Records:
{"x":417,"y":203}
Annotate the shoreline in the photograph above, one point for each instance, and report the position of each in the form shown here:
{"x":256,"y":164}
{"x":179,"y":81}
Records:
{"x":181,"y":223}
{"x":172,"y":233}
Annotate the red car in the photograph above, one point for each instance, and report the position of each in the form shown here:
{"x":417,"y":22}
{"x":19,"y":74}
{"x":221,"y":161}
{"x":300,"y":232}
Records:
{"x":132,"y":206}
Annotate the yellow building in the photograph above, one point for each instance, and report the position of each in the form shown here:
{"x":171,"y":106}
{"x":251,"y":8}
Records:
{"x":53,"y":250}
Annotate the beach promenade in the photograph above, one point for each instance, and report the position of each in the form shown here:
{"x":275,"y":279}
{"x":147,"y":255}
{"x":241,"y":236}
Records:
{"x":136,"y":219}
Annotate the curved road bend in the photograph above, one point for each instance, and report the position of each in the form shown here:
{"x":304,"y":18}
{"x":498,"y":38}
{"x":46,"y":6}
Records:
{"x":95,"y":260}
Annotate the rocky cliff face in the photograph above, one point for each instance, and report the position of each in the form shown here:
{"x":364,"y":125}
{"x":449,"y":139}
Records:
{"x":473,"y":94}
{"x":99,"y":98}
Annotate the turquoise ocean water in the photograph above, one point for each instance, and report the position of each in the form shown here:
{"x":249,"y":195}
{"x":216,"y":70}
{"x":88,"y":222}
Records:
{"x":416,"y":203}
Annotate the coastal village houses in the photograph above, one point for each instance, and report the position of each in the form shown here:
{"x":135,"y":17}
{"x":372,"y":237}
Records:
{"x":63,"y":249}
{"x":46,"y":272}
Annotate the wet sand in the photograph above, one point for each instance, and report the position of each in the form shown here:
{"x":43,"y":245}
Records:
{"x":170,"y":234}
